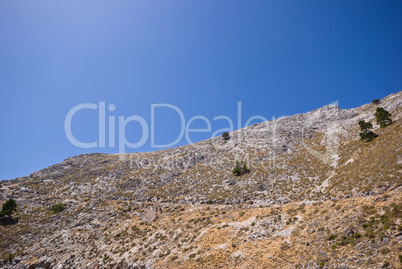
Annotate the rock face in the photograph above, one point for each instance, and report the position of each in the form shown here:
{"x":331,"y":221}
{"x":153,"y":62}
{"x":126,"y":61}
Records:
{"x":152,"y":213}
{"x":113,"y":215}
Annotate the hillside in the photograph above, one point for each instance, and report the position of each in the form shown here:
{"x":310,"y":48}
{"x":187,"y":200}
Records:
{"x":316,"y":196}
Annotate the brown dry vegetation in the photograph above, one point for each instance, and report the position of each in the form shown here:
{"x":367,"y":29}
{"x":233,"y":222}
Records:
{"x":293,"y":211}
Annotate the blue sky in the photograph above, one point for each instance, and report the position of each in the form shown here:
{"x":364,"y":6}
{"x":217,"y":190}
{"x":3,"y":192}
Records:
{"x":202,"y":56}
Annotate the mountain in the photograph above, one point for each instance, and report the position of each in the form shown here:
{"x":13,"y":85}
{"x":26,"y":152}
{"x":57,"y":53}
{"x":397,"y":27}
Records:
{"x":315,"y":196}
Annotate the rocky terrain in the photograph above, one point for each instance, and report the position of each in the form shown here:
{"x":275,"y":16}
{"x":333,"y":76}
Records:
{"x":316,"y":196}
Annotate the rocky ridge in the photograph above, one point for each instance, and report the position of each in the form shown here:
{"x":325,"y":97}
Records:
{"x":281,"y":214}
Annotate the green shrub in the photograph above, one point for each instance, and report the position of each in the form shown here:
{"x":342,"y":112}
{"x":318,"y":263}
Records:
{"x":240,"y":168}
{"x":384,"y":218}
{"x":236,"y":170}
{"x":225,"y":136}
{"x":57,"y":208}
{"x":376,"y":101}
{"x":368,"y":210}
{"x":331,"y":237}
{"x":358,"y":235}
{"x":10,"y":257}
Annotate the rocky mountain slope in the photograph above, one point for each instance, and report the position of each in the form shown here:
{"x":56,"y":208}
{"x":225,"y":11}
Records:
{"x":316,"y":196}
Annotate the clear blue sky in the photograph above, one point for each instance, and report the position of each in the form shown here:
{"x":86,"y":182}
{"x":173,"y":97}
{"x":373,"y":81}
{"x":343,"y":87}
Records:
{"x":203,"y":56}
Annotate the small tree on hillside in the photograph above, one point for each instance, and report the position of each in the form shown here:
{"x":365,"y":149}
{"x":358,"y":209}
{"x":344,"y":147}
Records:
{"x":8,"y":208}
{"x":376,"y":101}
{"x":57,"y":208}
{"x":225,"y":136}
{"x":383,"y":117}
{"x":366,"y":134}
{"x":240,"y":168}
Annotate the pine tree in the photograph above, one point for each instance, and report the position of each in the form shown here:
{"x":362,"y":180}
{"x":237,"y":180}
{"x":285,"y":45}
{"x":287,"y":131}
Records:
{"x":366,"y":134}
{"x":8,"y":208}
{"x":383,"y":117}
